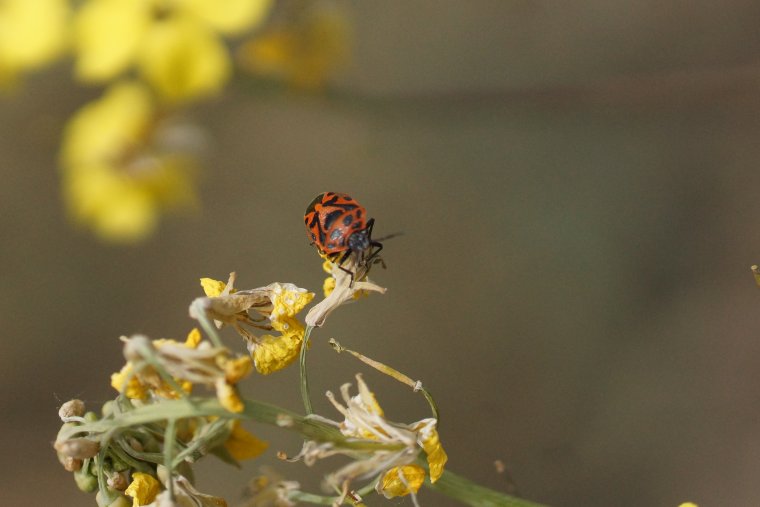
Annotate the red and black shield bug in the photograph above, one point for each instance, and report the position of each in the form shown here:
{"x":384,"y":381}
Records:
{"x":338,"y":226}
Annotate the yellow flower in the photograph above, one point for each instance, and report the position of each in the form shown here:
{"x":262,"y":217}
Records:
{"x":175,"y":44}
{"x":243,"y":445}
{"x":279,"y":302}
{"x":303,"y":50}
{"x":117,"y":176}
{"x":401,"y":481}
{"x":688,"y":504}
{"x":32,"y":33}
{"x":143,"y":489}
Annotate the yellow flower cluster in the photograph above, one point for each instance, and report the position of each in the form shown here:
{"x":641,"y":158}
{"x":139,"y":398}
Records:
{"x":119,"y":169}
{"x":125,"y":157}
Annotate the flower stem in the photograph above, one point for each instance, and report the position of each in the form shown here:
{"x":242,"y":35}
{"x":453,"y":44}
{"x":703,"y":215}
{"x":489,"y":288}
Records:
{"x":169,"y":437}
{"x":469,"y":493}
{"x":304,"y":375}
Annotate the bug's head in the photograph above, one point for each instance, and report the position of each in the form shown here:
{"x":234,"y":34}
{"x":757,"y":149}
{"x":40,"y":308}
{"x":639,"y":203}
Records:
{"x":359,"y":241}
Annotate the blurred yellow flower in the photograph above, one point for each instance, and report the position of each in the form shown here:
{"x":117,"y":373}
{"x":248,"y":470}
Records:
{"x":303,"y":50}
{"x":117,"y":177}
{"x":32,"y":33}
{"x":143,"y":489}
{"x":175,"y":44}
{"x":242,"y":444}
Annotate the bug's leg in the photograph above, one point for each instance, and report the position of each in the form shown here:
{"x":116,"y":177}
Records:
{"x":373,"y":257}
{"x":340,"y":265}
{"x":370,"y":225}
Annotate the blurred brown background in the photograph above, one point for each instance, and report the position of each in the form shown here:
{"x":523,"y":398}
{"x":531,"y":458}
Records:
{"x":578,"y":187}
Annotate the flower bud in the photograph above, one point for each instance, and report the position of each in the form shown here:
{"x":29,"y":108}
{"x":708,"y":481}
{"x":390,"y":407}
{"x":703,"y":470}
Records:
{"x":78,"y":448}
{"x":72,"y":408}
{"x":118,"y":481}
{"x":85,"y":481}
{"x":71,"y":464}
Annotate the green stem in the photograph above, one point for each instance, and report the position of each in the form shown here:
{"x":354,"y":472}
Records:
{"x":469,"y":493}
{"x":206,"y":324}
{"x":310,"y":428}
{"x":169,"y":440}
{"x":328,"y":500}
{"x":304,"y":376}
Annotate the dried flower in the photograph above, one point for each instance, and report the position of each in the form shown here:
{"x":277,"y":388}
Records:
{"x":193,"y":362}
{"x":275,"y":308}
{"x":394,"y":463}
{"x":350,"y":281}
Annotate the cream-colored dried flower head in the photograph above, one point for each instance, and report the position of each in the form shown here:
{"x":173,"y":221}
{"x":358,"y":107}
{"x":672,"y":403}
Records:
{"x":347,"y":281}
{"x":394,"y":464}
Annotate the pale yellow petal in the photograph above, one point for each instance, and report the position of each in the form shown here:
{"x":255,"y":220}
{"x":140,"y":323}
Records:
{"x":328,"y":286}
{"x":400,"y":481}
{"x":230,"y":16}
{"x":193,"y":338}
{"x":183,"y":59}
{"x":228,"y":396}
{"x":274,"y":353}
{"x":143,"y":489}
{"x":237,"y":369}
{"x":107,"y":36}
{"x":288,"y":300}
{"x":431,"y":444}
{"x":211,"y":287}
{"x":128,"y":384}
